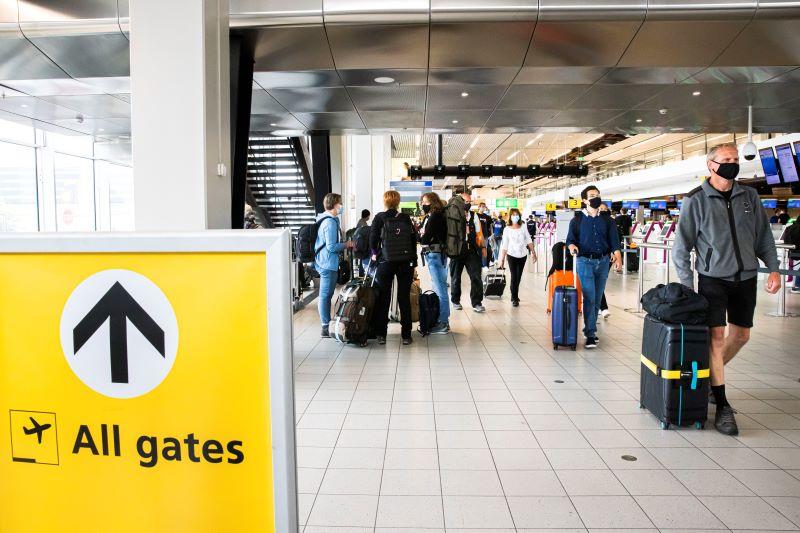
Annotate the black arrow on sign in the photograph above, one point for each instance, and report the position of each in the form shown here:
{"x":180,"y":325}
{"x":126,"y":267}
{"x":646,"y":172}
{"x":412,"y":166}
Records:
{"x":118,"y":306}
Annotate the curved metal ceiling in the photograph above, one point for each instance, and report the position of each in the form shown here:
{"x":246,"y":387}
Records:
{"x":524,"y":65}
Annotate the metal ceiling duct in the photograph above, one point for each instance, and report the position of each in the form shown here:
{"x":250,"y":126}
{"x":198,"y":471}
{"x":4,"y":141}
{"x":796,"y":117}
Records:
{"x":83,"y":38}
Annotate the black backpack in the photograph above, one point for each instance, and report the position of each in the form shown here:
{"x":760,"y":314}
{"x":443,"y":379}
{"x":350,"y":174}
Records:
{"x":306,"y":239}
{"x":428,"y":312}
{"x":345,"y":273}
{"x":676,"y":303}
{"x":397,"y":239}
{"x":361,"y":242}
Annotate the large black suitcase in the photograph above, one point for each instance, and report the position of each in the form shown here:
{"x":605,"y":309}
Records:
{"x":354,"y":307}
{"x":674,"y":372}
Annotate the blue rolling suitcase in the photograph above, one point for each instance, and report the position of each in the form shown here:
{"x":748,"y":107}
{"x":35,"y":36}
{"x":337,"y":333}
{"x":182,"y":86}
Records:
{"x":565,"y":315}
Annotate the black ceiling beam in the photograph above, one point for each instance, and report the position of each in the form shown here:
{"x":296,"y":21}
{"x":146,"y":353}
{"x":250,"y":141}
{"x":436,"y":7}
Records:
{"x":489,"y":171}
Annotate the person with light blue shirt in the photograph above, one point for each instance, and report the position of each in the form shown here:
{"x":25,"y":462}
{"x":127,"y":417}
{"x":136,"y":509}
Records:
{"x":328,"y":250}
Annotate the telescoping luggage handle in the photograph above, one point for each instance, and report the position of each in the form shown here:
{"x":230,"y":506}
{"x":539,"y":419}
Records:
{"x":574,"y":265}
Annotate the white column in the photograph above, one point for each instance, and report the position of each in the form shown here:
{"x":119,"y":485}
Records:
{"x":381,"y":168}
{"x":180,"y":114}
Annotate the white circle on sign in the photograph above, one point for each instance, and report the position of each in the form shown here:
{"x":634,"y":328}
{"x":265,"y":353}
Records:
{"x":119,"y":333}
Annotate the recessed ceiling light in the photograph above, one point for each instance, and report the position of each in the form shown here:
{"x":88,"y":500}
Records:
{"x":384,"y":79}
{"x":464,"y":94}
{"x":454,"y":121}
{"x":273,"y":124}
{"x":24,"y":105}
{"x":662,"y":111}
{"x":696,"y":93}
{"x":101,"y":129}
{"x":676,"y":129}
{"x":638,"y":120}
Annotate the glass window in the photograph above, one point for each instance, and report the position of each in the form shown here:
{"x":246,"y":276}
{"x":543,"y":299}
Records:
{"x":74,"y":186}
{"x":117,"y":204}
{"x":15,"y":132}
{"x":82,"y":145}
{"x":18,"y":198}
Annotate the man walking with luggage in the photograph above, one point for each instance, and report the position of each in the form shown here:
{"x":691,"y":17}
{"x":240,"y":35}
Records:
{"x":728,"y":228}
{"x":593,"y":238}
{"x":471,"y":257}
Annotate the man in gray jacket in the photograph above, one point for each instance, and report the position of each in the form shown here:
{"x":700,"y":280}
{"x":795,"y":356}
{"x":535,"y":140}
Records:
{"x":728,"y":228}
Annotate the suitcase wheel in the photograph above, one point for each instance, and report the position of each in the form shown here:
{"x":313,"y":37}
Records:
{"x":574,"y":347}
{"x":641,"y":405}
{"x":664,"y":425}
{"x":555,"y":346}
{"x":699,"y":425}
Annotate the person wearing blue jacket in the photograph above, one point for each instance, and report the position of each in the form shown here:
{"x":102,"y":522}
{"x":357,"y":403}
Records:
{"x":594,"y":239}
{"x":328,"y":251}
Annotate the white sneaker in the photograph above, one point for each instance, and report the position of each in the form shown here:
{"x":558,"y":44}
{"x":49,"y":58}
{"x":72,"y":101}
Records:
{"x":478,"y":308}
{"x":605,"y":313}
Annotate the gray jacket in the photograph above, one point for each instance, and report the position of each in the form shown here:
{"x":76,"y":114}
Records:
{"x":729,"y":237}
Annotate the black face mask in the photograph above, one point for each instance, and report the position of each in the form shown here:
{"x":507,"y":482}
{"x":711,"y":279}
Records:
{"x":595,"y":202}
{"x":605,"y":213}
{"x":467,"y":207}
{"x":426,"y":209}
{"x":729,"y":171}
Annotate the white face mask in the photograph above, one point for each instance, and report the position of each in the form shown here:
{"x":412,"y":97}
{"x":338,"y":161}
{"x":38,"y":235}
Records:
{"x":514,"y":219}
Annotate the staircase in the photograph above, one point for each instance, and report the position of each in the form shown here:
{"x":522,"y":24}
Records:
{"x":278,"y":181}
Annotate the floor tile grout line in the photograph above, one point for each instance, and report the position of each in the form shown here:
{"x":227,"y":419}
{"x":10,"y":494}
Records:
{"x":483,"y":430}
{"x":436,"y":438}
{"x":333,"y":451}
{"x":388,"y":430}
{"x":537,"y":440}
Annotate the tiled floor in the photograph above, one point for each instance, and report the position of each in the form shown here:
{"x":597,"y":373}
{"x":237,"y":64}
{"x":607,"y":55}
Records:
{"x":490,"y":430}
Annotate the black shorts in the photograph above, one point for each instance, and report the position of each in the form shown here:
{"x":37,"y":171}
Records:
{"x":737,"y":299}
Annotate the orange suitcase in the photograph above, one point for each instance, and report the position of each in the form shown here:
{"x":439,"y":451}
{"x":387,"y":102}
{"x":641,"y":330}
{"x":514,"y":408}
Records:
{"x":557,"y":279}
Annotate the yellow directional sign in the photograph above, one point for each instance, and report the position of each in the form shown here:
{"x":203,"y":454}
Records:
{"x":147,"y":382}
{"x":550,"y":207}
{"x":574,"y":204}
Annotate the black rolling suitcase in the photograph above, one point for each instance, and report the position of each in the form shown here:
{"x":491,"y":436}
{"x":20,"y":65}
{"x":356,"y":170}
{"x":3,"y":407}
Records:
{"x":354,"y":307}
{"x":494,"y":284}
{"x":675,"y":373}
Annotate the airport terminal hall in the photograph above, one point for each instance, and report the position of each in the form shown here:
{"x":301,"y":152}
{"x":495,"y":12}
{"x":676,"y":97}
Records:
{"x":399,"y":266}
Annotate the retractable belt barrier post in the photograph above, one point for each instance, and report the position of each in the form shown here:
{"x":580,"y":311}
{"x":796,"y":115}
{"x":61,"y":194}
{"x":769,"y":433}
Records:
{"x":148,"y":382}
{"x":786,"y":272}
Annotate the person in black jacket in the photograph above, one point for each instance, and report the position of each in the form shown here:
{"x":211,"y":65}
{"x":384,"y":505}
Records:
{"x":472,"y":253}
{"x":434,"y":248}
{"x":486,"y":225}
{"x":393,"y":242}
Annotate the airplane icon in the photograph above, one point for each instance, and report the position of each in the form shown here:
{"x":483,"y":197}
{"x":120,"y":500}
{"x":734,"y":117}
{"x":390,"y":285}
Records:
{"x":37,"y":428}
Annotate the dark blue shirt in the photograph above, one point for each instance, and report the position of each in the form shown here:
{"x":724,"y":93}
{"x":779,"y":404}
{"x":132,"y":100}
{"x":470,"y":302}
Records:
{"x":593,"y":235}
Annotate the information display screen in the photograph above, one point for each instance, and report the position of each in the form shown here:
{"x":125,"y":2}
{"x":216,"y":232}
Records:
{"x":658,"y":204}
{"x":770,"y":166}
{"x":787,"y":163}
{"x":769,"y":203}
{"x":674,"y":212}
{"x":647,"y":212}
{"x":630,"y":204}
{"x":793,"y":203}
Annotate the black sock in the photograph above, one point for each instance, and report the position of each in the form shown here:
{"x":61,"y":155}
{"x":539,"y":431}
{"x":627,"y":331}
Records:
{"x":719,"y":395}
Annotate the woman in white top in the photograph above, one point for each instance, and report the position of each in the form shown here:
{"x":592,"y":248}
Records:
{"x":516,"y":245}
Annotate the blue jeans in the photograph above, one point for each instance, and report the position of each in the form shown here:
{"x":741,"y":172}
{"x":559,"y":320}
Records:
{"x":593,"y":274}
{"x":437,"y":266}
{"x":327,"y":286}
